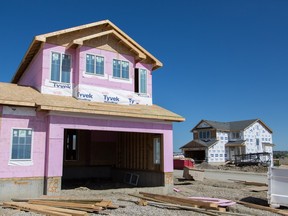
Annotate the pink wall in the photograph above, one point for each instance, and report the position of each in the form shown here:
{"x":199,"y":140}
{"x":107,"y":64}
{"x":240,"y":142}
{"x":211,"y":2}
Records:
{"x":47,"y":50}
{"x":79,"y":67}
{"x":59,"y":123}
{"x":38,"y":125}
{"x":33,"y":74}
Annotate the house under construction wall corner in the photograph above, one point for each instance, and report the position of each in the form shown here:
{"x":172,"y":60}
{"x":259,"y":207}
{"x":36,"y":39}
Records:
{"x":80,"y":107}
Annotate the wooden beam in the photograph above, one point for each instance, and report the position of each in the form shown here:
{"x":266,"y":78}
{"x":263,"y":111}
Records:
{"x":265,"y":208}
{"x":182,"y":201}
{"x":80,"y":41}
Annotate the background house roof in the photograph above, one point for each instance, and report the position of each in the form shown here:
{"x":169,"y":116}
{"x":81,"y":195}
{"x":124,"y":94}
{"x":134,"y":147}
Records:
{"x":199,"y":143}
{"x":77,"y":36}
{"x":12,"y":94}
{"x":231,"y":126}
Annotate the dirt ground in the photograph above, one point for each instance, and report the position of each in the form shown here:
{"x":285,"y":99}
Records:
{"x":207,"y":188}
{"x":255,"y":169}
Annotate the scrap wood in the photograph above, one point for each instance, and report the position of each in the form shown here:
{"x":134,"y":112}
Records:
{"x":46,"y":210}
{"x":59,"y":199}
{"x":184,"y":201}
{"x":175,"y":206}
{"x":249,"y":182}
{"x":266,"y":208}
{"x":258,"y":188}
{"x":220,"y":202}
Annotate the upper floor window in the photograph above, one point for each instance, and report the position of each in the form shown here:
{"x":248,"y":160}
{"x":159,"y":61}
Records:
{"x":235,"y":135}
{"x":120,"y":69}
{"x":21,"y":144}
{"x":60,"y":67}
{"x":143,"y":81}
{"x":204,"y":134}
{"x":94,"y":64}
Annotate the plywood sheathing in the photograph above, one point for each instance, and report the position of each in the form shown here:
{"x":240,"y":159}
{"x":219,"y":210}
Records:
{"x":12,"y":94}
{"x":68,"y":38}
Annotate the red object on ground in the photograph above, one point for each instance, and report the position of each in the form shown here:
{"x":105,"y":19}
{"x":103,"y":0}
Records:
{"x":181,"y":163}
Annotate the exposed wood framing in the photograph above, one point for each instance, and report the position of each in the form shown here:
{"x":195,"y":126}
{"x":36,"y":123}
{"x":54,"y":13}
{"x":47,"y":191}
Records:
{"x":136,"y":152}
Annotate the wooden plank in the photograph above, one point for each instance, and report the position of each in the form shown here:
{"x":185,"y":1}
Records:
{"x":258,"y":188}
{"x":59,"y":199}
{"x":265,"y":208}
{"x":35,"y":208}
{"x":181,"y":201}
{"x":65,"y":204}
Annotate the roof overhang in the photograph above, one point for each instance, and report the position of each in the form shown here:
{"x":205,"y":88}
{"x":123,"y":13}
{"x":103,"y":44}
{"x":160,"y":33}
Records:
{"x":107,"y":28}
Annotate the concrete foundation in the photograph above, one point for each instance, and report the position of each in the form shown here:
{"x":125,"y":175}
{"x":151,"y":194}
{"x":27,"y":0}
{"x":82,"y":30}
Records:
{"x":52,"y":186}
{"x":146,"y":178}
{"x":21,"y":188}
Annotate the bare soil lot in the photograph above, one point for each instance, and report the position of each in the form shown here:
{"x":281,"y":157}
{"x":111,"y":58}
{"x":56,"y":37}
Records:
{"x":207,"y":188}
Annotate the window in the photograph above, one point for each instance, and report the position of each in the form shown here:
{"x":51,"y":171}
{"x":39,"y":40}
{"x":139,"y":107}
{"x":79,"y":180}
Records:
{"x":71,"y":143}
{"x":204,"y":135}
{"x":143,"y":81}
{"x":60,"y":67}
{"x":235,"y":135}
{"x":257,"y":142}
{"x":21,"y":144}
{"x":94,"y":64}
{"x":157,"y":150}
{"x":120,"y":69}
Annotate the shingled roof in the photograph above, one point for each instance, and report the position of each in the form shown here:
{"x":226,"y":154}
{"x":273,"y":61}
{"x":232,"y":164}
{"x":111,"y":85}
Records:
{"x":199,"y":143}
{"x":231,"y":126}
{"x":12,"y":94}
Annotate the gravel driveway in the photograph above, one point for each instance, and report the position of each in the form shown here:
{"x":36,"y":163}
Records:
{"x":207,"y":188}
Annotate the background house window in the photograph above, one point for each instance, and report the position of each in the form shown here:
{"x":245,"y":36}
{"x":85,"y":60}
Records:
{"x":21,"y":144}
{"x":94,"y":64}
{"x":235,"y":135}
{"x":120,"y":69}
{"x":204,"y":135}
{"x":60,"y":67}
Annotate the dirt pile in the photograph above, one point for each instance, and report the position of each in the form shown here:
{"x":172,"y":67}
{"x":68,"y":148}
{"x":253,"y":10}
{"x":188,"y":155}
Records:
{"x":231,"y":167}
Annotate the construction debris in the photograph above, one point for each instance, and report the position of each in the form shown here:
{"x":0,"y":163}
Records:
{"x":61,"y":206}
{"x":208,"y":206}
{"x":248,"y":182}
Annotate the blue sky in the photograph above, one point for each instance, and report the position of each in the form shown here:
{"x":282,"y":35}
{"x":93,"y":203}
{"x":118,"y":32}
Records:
{"x":224,"y":60}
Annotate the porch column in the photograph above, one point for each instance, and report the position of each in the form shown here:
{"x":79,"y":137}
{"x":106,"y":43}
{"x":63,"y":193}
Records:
{"x":168,"y":159}
{"x":53,"y":159}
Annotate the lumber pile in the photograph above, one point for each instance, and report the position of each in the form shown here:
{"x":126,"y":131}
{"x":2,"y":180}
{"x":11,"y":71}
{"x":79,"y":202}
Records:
{"x":193,"y":204}
{"x":61,"y":206}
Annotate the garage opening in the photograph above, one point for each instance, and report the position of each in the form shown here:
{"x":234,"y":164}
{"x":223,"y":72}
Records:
{"x":197,"y":155}
{"x":111,"y":159}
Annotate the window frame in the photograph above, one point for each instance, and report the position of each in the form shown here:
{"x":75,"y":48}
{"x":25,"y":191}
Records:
{"x":95,"y":65}
{"x":139,"y":81}
{"x":121,"y":72}
{"x":11,"y":144}
{"x":234,"y":135}
{"x":157,"y":151}
{"x":207,"y":134}
{"x":61,"y":72}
